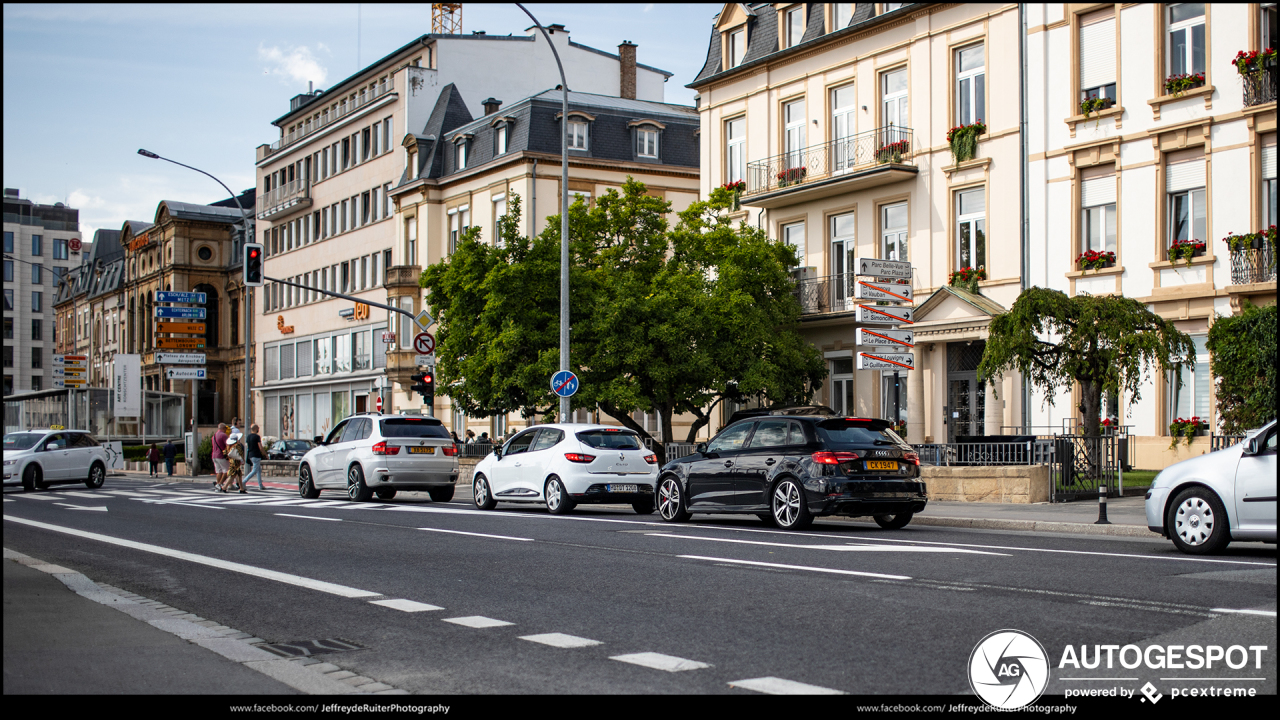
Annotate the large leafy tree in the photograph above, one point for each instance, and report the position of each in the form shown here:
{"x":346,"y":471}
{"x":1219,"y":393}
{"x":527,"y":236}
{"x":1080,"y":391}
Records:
{"x":666,"y":320}
{"x":1243,"y":351}
{"x":1105,"y":344}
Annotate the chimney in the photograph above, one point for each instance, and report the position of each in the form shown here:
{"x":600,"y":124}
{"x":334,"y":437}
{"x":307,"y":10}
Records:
{"x":491,"y":106}
{"x":627,"y":70}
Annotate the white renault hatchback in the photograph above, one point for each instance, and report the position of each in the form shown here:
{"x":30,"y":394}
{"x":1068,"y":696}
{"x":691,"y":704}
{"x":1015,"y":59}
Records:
{"x":567,"y":465}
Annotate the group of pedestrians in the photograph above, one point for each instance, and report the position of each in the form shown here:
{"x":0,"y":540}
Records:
{"x":232,"y":450}
{"x":170,"y":455}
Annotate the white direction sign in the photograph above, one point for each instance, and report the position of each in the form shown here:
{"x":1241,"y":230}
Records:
{"x":424,"y":320}
{"x":180,"y":358}
{"x":885,"y":314}
{"x":185,"y":373}
{"x":880,"y":337}
{"x":893,"y":292}
{"x":883,"y":268}
{"x":426,"y":360}
{"x":889,"y":361}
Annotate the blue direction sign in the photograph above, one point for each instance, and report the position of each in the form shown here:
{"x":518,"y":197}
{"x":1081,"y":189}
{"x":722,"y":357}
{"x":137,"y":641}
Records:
{"x":180,"y":312}
{"x":181,"y":297}
{"x":564,"y":383}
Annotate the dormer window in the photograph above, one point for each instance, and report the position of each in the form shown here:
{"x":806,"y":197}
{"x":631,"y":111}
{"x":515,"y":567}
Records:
{"x":793,"y":29}
{"x":646,"y":136}
{"x":577,"y":135}
{"x":737,"y":42}
{"x":500,"y":140}
{"x":461,"y":151}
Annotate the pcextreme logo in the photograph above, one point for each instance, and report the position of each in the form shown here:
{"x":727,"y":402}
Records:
{"x":1008,"y":669}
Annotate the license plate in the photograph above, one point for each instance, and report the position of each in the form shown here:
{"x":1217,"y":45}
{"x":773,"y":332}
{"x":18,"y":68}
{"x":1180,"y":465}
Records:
{"x":882,"y":465}
{"x":622,"y":488}
{"x":423,"y":450}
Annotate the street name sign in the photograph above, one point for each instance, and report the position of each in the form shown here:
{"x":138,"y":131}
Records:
{"x":185,"y":373}
{"x":180,"y":358}
{"x":180,"y":312}
{"x":168,"y":343}
{"x":884,"y":268}
{"x":883,"y":337}
{"x":885,"y":314}
{"x":888,"y":361}
{"x":167,"y":296}
{"x":893,"y":292}
{"x":180,"y":327}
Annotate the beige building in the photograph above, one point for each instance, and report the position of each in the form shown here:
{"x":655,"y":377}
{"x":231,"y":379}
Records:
{"x":836,"y":116}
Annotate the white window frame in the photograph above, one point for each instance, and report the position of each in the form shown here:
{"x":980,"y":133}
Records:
{"x":793,"y":31}
{"x":843,"y":396}
{"x":793,"y":234}
{"x":1268,"y":185}
{"x":737,"y":41}
{"x":1196,"y":386}
{"x":895,"y":104}
{"x":886,"y":396}
{"x":501,"y":135}
{"x":1188,"y":27}
{"x":893,"y":239}
{"x":844,"y":126}
{"x":647,"y":142}
{"x":735,"y":149}
{"x":461,"y":157}
{"x":977,"y":223}
{"x":579,"y":137}
{"x":970,"y":86}
{"x":794,"y":129}
{"x":843,"y":254}
{"x":499,"y":212}
{"x":841,"y":15}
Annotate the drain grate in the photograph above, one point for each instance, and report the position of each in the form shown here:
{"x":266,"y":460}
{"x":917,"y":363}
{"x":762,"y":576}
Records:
{"x":307,"y":648}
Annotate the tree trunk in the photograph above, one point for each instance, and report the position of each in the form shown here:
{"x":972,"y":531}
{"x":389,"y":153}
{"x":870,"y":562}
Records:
{"x":630,"y":424}
{"x":1090,"y":407}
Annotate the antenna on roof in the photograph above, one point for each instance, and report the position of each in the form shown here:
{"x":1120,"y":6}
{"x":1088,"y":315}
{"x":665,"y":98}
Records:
{"x":446,"y":18}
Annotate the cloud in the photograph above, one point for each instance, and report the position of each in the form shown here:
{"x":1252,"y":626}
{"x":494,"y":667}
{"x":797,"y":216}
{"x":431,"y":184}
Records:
{"x":648,"y":7}
{"x":294,"y":65}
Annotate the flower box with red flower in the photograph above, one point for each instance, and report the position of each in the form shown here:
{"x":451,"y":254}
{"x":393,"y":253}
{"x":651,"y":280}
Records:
{"x":792,"y":176}
{"x":1177,"y":84}
{"x":892,"y":152}
{"x":1094,"y":260}
{"x":1253,"y":61}
{"x":1186,"y":249}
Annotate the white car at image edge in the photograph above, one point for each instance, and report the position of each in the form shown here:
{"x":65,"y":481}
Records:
{"x":568,"y":464}
{"x":37,"y":459}
{"x":1229,"y":495}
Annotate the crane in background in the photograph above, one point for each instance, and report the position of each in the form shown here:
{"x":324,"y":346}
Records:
{"x":446,"y":18}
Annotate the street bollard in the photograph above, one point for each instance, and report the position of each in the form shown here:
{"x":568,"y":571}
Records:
{"x":1102,"y":506}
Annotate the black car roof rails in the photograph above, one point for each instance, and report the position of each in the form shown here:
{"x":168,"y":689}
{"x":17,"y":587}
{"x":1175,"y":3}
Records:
{"x":816,"y":410}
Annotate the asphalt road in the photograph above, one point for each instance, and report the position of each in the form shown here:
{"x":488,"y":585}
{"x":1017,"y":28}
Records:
{"x":709,"y":606}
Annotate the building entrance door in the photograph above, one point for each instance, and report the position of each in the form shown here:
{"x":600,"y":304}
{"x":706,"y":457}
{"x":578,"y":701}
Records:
{"x":966,"y":396}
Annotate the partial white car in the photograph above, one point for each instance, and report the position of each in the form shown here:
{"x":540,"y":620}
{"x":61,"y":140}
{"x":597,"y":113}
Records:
{"x":372,"y":453}
{"x":1208,"y":501}
{"x":568,"y":464}
{"x":37,"y":459}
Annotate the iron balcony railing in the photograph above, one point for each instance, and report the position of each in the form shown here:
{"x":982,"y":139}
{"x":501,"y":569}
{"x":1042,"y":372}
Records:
{"x":1253,"y":265}
{"x":285,"y":196}
{"x":883,"y":146}
{"x":1260,"y":87}
{"x":1222,"y":442}
{"x":827,"y":294}
{"x":344,"y":109}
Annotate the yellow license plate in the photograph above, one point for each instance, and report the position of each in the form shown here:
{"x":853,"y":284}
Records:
{"x":882,"y":465}
{"x":423,"y":450}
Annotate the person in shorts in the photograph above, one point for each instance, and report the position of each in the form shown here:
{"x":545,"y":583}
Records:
{"x":220,"y":464}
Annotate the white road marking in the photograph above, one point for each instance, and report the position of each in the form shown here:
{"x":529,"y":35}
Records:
{"x":128,"y":493}
{"x":658,"y":661}
{"x":309,"y":517}
{"x":405,"y":605}
{"x":477,"y":621}
{"x":837,"y":548}
{"x":1264,"y":613}
{"x":287,"y":578}
{"x":182,"y":504}
{"x":72,"y":493}
{"x":796,"y":567}
{"x":99,"y":508}
{"x":459,"y":532}
{"x":779,"y":686}
{"x":29,"y":496}
{"x":561,"y":640}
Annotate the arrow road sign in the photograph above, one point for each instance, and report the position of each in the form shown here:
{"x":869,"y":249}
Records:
{"x":168,"y":343}
{"x":185,"y":373}
{"x":564,"y":383}
{"x":894,"y":361}
{"x":424,"y":343}
{"x":180,"y":327}
{"x":885,"y":314}
{"x":180,"y":358}
{"x":884,"y":268}
{"x":180,"y":312}
{"x":181,"y":297}
{"x":424,"y":320}
{"x":882,"y":337}
{"x":893,"y":292}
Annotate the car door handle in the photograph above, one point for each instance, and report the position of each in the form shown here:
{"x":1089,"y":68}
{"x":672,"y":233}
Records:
{"x":728,"y":463}
{"x":770,"y":461}
{"x":517,"y":463}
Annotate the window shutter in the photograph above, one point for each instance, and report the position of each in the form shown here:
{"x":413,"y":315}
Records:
{"x":1269,"y":162}
{"x":1099,"y":191}
{"x":1184,"y":176}
{"x":1098,"y":54}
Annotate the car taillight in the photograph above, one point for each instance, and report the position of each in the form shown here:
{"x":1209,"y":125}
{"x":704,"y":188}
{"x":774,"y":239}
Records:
{"x":579,"y":457}
{"x":450,"y":450}
{"x":913,"y":458}
{"x":651,"y":459}
{"x":833,"y":458}
{"x":383,"y":448}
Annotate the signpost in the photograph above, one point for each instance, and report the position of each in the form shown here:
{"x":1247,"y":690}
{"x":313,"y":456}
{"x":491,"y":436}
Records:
{"x":175,"y":312}
{"x":168,"y":343}
{"x":884,"y":268}
{"x":564,"y":383}
{"x":424,"y":343}
{"x":70,"y":371}
{"x":184,"y":328}
{"x":195,"y":298}
{"x":427,"y":360}
{"x":388,"y":337}
{"x":185,"y":373}
{"x":888,"y":361}
{"x":180,"y":358}
{"x":866,"y":287}
{"x":885,"y":314}
{"x":424,"y":320}
{"x":169,"y":337}
{"x":893,"y":292}
{"x":882,"y":337}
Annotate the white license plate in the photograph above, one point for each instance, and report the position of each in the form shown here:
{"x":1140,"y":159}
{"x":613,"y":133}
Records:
{"x":622,"y":488}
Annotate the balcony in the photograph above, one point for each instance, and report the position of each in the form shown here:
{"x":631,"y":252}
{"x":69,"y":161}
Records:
{"x":1260,"y":87}
{"x":289,"y":197}
{"x":326,"y":119}
{"x":828,"y":294}
{"x":1253,"y":265}
{"x":869,"y":159}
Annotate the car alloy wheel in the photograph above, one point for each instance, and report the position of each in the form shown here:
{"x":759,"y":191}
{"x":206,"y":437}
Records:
{"x":97,"y":475}
{"x":356,"y":488}
{"x":1198,"y":522}
{"x":789,"y":509}
{"x":480,"y":493}
{"x":671,"y":501}
{"x":558,"y":500}
{"x":306,"y":488}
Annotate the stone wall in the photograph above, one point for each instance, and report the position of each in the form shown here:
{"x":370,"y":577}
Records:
{"x":988,"y":484}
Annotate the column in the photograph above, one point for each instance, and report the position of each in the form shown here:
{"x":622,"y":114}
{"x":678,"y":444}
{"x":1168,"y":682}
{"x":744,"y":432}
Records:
{"x":993,"y":413}
{"x":915,"y":395}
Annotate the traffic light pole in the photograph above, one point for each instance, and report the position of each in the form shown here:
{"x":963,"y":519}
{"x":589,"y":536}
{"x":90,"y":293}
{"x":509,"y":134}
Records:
{"x":403,"y":312}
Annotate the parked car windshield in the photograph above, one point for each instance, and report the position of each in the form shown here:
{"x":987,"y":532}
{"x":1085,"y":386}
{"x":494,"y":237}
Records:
{"x":298,"y":445}
{"x":21,"y":440}
{"x":605,"y":439}
{"x":836,"y":433}
{"x":413,"y":428}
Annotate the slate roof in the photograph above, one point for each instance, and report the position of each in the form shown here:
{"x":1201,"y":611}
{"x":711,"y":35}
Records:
{"x":106,"y":246}
{"x":200,"y":213}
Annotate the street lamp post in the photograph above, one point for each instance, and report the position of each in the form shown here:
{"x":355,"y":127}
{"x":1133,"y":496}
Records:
{"x":564,"y":210}
{"x":248,"y":237}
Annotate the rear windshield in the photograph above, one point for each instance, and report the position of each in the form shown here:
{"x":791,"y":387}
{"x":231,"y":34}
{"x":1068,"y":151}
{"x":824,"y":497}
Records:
{"x":413,"y":428}
{"x":21,"y":441}
{"x":837,"y":433}
{"x":608,"y":439}
{"x":297,"y":445}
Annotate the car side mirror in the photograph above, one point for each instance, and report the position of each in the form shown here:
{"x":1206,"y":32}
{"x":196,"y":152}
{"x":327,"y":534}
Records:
{"x":51,"y":446}
{"x":497,"y":453}
{"x":1252,"y":447}
{"x":319,"y":440}
{"x":700,"y":448}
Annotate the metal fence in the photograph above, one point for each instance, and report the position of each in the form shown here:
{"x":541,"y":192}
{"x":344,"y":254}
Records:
{"x":1260,"y":86}
{"x":1081,"y":464}
{"x":1253,"y":265}
{"x":476,"y":450}
{"x":1027,"y":452}
{"x":866,"y":150}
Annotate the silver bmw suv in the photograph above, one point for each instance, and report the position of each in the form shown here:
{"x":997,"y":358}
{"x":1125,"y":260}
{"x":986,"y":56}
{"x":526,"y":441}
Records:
{"x":372,"y":453}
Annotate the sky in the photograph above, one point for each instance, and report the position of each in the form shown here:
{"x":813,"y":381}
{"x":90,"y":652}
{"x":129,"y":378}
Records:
{"x":86,"y":86}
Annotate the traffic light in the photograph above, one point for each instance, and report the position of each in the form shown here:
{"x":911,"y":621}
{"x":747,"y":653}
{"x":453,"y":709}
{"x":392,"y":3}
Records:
{"x":253,"y":264}
{"x":424,"y":383}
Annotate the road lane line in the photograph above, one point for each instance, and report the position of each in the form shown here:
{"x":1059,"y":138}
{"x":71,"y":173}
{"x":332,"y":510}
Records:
{"x":287,"y":578}
{"x":484,"y":535}
{"x":796,"y":567}
{"x":405,"y":605}
{"x":561,"y":640}
{"x":477,"y":621}
{"x":72,"y":493}
{"x":309,"y":517}
{"x":779,"y":686}
{"x":658,"y":661}
{"x":29,"y":496}
{"x":182,"y":504}
{"x":836,"y":548}
{"x":1264,"y":613}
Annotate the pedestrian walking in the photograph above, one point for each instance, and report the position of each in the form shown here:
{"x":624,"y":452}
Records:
{"x":235,"y":427}
{"x":153,"y":458}
{"x":219,"y":456}
{"x":170,"y":454}
{"x":255,"y":454}
{"x":235,"y":462}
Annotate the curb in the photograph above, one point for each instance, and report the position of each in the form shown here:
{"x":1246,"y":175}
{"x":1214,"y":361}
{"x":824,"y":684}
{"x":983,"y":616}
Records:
{"x":1051,"y":526}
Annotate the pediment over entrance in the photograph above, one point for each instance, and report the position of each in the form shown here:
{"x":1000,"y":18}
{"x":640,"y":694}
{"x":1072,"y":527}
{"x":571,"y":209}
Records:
{"x":950,"y":311}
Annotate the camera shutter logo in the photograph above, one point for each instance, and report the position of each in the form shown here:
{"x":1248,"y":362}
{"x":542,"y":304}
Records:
{"x":1008,"y":669}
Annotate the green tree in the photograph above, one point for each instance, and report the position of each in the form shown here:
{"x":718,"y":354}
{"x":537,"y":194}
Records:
{"x":1243,"y":359}
{"x":1104,"y":343}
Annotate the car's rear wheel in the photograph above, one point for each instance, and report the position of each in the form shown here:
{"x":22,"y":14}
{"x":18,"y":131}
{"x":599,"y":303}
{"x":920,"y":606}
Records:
{"x":31,"y":478}
{"x":894,"y":522}
{"x":558,"y":500}
{"x":385,"y":493}
{"x":790,"y":511}
{"x":441,"y":494}
{"x":481,"y":494}
{"x":306,"y":487}
{"x":643,"y":507}
{"x":1197,"y":522}
{"x":97,"y":476}
{"x":357,"y":490}
{"x":671,"y":502}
